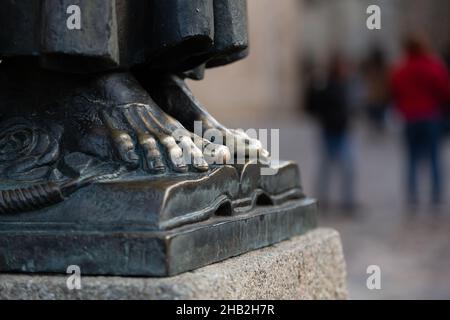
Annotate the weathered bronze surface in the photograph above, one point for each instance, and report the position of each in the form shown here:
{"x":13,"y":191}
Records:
{"x":158,"y":226}
{"x":99,"y":162}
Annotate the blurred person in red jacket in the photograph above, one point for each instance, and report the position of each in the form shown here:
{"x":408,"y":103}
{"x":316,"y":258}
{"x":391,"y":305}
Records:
{"x":421,"y":88}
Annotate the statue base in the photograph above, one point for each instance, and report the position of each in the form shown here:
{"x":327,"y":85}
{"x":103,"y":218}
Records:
{"x":310,"y":266}
{"x":159,"y":226}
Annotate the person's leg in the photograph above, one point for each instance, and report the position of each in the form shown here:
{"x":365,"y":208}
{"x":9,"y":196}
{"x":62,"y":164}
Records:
{"x":325,"y":167}
{"x":346,"y":161}
{"x":435,"y":131}
{"x":412,"y":153}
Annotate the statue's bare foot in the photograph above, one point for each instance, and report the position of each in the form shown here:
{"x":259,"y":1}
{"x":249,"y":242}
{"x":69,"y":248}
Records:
{"x":142,"y":133}
{"x":110,"y":117}
{"x":175,"y":98}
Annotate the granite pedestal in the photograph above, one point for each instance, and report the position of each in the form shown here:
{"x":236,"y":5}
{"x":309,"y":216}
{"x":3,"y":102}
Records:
{"x":311,"y":266}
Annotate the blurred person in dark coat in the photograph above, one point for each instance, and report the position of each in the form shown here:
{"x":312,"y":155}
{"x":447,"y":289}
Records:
{"x":421,"y":88}
{"x":329,"y":104}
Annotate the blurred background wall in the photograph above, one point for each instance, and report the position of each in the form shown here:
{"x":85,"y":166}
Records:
{"x":286,"y":33}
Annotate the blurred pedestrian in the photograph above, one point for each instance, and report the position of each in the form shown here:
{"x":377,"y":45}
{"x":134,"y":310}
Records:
{"x":376,"y":76}
{"x":420,"y":86}
{"x":329,"y":104}
{"x":446,"y":112}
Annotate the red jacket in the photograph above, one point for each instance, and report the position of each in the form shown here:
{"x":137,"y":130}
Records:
{"x":420,"y":87}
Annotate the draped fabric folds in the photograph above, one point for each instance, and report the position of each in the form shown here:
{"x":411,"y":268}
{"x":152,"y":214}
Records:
{"x":173,"y":35}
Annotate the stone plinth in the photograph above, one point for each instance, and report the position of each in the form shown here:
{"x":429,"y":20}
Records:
{"x":306,"y":267}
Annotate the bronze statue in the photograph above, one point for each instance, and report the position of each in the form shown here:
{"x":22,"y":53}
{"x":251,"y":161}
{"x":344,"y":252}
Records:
{"x":90,"y":81}
{"x":93,"y":97}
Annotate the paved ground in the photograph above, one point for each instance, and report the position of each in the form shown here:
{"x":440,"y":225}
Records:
{"x":412,"y":249}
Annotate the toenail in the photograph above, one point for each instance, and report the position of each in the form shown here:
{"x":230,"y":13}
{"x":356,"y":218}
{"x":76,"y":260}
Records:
{"x":169,"y":142}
